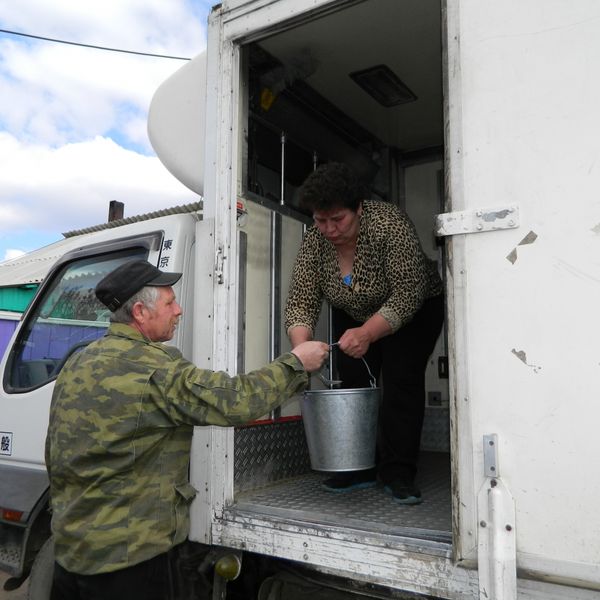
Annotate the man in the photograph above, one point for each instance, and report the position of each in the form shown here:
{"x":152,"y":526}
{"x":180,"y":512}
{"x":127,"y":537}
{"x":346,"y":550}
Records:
{"x":119,"y":438}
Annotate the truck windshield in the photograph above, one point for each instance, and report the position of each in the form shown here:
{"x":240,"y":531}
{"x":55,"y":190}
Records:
{"x":65,"y":318}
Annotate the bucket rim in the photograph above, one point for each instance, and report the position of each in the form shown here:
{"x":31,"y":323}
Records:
{"x":337,"y":391}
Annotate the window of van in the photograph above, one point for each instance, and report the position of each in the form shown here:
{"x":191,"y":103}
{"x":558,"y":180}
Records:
{"x":66,"y":316}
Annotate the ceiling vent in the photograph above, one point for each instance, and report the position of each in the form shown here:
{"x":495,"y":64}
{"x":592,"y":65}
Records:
{"x":384,"y":85}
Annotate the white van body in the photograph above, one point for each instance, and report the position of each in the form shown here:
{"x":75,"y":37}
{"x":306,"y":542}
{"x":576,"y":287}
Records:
{"x":496,"y":156}
{"x":520,"y":124}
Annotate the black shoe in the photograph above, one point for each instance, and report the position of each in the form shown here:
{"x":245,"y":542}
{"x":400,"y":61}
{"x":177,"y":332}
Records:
{"x":350,"y":481}
{"x":404,"y":491}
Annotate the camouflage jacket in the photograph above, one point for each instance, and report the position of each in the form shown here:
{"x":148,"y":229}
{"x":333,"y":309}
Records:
{"x":118,"y":444}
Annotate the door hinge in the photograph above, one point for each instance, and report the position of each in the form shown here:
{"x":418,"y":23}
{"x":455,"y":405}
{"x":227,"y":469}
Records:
{"x":477,"y":220}
{"x":219,"y":265}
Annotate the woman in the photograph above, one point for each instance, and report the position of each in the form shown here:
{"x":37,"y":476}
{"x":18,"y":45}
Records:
{"x":365,"y":259}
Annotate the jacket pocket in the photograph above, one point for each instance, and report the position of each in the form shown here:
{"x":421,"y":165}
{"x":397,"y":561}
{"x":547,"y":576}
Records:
{"x":184,"y":494}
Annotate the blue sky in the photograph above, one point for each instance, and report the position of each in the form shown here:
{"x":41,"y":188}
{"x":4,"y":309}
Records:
{"x":73,"y":119}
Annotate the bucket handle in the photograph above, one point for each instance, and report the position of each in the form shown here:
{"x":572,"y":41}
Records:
{"x":372,"y":379}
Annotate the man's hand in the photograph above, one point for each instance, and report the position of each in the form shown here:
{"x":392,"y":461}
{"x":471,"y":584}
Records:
{"x":312,"y":355}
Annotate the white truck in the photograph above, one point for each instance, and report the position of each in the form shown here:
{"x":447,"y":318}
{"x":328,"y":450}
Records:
{"x":478,"y":118}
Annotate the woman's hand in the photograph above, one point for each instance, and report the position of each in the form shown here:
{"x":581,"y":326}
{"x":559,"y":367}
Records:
{"x":355,"y":342}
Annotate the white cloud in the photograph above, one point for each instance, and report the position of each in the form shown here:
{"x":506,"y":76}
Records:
{"x":11,"y":253}
{"x":73,"y":120}
{"x":173,"y":27}
{"x":59,"y":93}
{"x":71,"y":186}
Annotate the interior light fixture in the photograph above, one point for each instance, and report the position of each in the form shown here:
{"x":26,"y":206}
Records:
{"x":384,"y":85}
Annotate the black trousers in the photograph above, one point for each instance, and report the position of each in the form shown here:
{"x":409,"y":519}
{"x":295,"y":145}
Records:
{"x":149,"y":580}
{"x":400,"y":360}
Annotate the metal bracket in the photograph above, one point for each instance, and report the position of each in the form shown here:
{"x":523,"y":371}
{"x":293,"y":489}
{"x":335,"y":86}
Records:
{"x":219,"y":265}
{"x":490,"y":455}
{"x":477,"y":220}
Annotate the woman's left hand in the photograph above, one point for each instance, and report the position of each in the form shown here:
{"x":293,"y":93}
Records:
{"x":355,"y":342}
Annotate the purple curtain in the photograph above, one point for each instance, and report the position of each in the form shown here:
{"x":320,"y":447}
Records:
{"x":7,"y":328}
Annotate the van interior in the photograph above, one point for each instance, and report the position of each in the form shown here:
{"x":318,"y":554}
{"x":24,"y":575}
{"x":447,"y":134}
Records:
{"x":361,"y":84}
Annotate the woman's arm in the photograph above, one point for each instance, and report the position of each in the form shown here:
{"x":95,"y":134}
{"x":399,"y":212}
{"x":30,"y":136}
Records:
{"x":405,"y":267}
{"x":303,"y":304}
{"x":299,"y":334}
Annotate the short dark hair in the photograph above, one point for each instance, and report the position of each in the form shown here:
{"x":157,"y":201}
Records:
{"x":331,"y":185}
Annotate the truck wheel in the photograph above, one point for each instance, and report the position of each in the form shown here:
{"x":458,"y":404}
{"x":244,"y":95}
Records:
{"x":42,"y":572}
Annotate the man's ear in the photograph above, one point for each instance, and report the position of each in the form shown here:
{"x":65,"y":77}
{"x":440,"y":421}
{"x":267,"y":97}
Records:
{"x":137,"y":312}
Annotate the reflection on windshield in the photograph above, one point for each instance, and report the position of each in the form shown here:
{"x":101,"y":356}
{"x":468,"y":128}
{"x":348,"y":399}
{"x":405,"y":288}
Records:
{"x":65,"y":319}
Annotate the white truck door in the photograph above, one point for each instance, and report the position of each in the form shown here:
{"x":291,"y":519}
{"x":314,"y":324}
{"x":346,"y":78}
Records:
{"x":522,"y":120}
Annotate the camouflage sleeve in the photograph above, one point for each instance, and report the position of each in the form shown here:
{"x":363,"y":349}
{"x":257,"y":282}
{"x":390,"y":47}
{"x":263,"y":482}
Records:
{"x":203,"y":397}
{"x":47,"y":454}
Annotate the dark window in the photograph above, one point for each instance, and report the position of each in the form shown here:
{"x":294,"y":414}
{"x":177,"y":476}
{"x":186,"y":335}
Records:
{"x":65,"y":318}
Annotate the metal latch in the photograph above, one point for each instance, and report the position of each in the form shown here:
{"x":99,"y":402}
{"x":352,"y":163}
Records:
{"x":477,"y":220}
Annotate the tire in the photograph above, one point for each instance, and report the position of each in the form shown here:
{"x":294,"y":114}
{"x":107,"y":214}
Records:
{"x":42,"y":572}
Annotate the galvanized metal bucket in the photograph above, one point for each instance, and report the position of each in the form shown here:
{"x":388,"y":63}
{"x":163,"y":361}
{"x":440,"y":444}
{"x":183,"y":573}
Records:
{"x":341,"y":428}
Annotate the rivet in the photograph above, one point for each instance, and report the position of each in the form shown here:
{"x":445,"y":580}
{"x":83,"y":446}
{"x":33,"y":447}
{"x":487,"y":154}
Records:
{"x":509,"y":528}
{"x":483,"y":523}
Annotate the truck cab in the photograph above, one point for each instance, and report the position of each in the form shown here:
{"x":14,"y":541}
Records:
{"x":62,"y":318}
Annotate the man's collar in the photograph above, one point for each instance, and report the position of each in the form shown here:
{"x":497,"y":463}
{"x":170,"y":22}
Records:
{"x":126,"y":331}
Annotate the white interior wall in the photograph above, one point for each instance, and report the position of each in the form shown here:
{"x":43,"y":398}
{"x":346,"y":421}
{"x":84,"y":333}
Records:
{"x":256,"y":342}
{"x":422,"y":203}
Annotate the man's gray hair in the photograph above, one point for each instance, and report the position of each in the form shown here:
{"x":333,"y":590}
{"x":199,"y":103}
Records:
{"x":147,"y":296}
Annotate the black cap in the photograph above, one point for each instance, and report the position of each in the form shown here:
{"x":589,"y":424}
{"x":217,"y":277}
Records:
{"x":128,"y":279}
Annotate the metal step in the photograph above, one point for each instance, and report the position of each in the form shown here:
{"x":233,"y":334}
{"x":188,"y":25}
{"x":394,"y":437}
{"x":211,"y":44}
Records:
{"x":301,"y":498}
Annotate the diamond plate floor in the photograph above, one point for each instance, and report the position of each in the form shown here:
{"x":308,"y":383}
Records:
{"x":302,"y":498}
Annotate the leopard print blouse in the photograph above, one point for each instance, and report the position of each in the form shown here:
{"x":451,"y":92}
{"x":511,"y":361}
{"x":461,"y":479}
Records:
{"x":391,"y":274}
